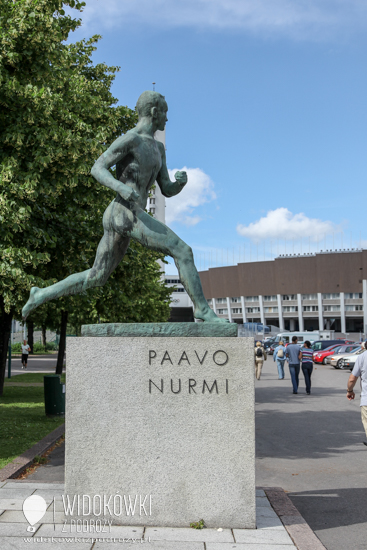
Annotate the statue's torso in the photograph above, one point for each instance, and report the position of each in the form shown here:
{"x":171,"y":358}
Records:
{"x":139,"y":169}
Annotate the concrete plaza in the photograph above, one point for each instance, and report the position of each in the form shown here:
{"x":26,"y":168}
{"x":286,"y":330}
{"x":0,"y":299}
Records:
{"x":311,"y":446}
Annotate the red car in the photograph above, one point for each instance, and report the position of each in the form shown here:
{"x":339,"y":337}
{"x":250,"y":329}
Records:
{"x":320,"y":356}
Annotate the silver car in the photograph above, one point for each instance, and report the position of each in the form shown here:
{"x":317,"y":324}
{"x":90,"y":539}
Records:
{"x":349,"y":362}
{"x":337,"y":359}
{"x":344,"y":348}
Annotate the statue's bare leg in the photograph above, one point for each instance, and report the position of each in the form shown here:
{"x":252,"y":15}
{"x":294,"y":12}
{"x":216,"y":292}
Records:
{"x":157,"y":236}
{"x":110,"y":252}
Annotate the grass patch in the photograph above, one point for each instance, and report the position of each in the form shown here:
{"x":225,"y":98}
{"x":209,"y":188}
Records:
{"x":30,"y":378}
{"x":23,"y":420}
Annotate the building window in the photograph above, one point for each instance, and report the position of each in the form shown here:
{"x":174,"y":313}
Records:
{"x":353,"y":308}
{"x":310,"y":308}
{"x":152,"y":210}
{"x":222,"y":311}
{"x":270,"y":298}
{"x":252,"y":298}
{"x":252,"y":310}
{"x":237,"y":310}
{"x":288,"y":309}
{"x":152,"y":201}
{"x":331,"y":308}
{"x":332,"y":296}
{"x":354,"y":295}
{"x":221,"y":300}
{"x":236,"y":299}
{"x":270,"y":309}
{"x":173,"y":281}
{"x":179,"y":290}
{"x":209,"y":301}
{"x":309,"y":296}
{"x":289,"y":297}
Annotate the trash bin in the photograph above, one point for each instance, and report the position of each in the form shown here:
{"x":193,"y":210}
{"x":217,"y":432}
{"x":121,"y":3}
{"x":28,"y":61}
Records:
{"x":54,"y":395}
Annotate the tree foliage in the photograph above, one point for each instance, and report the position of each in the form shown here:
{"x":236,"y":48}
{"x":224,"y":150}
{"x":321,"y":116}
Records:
{"x":57,"y":115}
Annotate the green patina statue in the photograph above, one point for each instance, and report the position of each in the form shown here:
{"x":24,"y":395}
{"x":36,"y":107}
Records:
{"x":140,"y":160}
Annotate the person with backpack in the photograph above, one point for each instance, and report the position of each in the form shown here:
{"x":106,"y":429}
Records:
{"x":279,"y":357}
{"x":260,"y":357}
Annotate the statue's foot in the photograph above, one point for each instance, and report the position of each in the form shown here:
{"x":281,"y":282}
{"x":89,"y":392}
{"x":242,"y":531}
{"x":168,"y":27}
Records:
{"x":208,"y":315}
{"x":32,"y":302}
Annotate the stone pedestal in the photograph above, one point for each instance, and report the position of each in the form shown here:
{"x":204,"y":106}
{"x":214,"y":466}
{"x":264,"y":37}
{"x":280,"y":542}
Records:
{"x":163,"y":424}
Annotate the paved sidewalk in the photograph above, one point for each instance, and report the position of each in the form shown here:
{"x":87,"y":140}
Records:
{"x":270,"y":534}
{"x":42,"y":364}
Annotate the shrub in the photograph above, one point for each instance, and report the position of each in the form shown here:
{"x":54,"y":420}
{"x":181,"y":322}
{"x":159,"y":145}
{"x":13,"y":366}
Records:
{"x":16,"y":348}
{"x":51,"y":346}
{"x":37,"y":347}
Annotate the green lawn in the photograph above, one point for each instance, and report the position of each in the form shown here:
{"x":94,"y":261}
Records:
{"x":30,"y":377}
{"x":23,"y":420}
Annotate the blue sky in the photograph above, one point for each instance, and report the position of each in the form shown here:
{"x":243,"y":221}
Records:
{"x":267,"y":110}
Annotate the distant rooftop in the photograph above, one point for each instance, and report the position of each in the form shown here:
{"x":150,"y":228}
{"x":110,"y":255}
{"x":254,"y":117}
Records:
{"x":308,"y":254}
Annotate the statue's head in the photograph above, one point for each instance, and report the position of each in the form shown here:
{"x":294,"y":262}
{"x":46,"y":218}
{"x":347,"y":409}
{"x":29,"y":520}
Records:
{"x":152,"y":104}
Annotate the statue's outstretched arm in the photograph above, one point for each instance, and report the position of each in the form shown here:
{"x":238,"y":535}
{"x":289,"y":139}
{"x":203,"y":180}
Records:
{"x":116,"y":152}
{"x":170,"y":188}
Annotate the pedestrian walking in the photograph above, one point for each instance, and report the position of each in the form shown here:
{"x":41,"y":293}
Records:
{"x":260,"y":357}
{"x":360,"y":371}
{"x":307,"y":364}
{"x":293,"y":354}
{"x":25,"y":351}
{"x":279,"y":358}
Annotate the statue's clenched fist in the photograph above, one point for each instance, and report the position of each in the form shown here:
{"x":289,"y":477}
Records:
{"x":181,"y":178}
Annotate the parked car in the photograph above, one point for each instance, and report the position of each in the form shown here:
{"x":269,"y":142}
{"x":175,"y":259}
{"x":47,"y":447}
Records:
{"x":320,"y":345}
{"x":345,"y":348}
{"x":271,"y":349}
{"x":336,"y":360}
{"x":322,"y":355}
{"x":349,"y":362}
{"x":268,"y":342}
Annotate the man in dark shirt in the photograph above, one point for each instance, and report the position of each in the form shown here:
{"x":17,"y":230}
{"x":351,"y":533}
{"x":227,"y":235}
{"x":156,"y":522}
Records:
{"x":294,"y":354}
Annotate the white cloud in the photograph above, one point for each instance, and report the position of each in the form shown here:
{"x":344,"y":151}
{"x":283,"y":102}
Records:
{"x":282,"y":224}
{"x":300,"y":18}
{"x":198,"y":190}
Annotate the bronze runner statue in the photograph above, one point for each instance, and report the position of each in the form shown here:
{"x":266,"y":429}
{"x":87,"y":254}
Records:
{"x":140,"y":161}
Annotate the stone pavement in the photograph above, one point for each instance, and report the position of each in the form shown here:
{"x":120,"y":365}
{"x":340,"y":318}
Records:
{"x":270,"y":534}
{"x":311,"y":446}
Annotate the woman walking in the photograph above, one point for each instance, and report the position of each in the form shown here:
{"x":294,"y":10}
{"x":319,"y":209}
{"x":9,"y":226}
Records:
{"x":260,"y":357}
{"x":307,"y":364}
{"x":279,"y":357}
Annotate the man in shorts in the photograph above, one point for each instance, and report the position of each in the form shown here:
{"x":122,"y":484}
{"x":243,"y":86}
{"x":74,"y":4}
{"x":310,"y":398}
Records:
{"x":360,"y":371}
{"x":25,"y":351}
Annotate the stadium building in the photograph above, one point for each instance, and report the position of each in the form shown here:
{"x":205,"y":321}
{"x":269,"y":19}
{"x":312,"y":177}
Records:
{"x":322,"y":291}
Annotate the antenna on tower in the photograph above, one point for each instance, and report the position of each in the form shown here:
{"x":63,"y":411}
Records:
{"x":153,"y":86}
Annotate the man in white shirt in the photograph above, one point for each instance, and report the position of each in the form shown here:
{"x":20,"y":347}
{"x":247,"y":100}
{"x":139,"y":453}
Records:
{"x":25,"y":351}
{"x":360,"y":370}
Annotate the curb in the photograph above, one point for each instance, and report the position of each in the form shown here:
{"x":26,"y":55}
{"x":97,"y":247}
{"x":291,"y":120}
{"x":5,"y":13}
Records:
{"x":20,"y":463}
{"x":297,"y":527}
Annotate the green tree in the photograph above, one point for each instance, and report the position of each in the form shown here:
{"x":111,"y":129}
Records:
{"x":57,"y":114}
